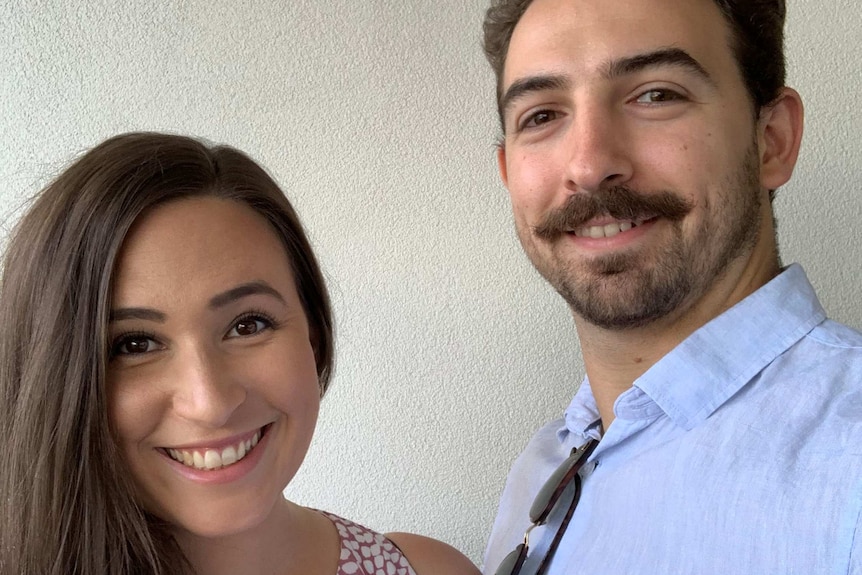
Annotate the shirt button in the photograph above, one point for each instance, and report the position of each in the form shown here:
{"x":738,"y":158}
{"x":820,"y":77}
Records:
{"x":588,"y":468}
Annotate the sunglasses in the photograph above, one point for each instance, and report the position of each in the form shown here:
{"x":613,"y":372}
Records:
{"x":546,"y":501}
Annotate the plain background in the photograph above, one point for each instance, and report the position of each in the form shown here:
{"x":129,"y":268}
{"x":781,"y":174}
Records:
{"x":378,"y":119}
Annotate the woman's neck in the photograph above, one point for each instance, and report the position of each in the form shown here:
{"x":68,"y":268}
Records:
{"x":291,"y":540}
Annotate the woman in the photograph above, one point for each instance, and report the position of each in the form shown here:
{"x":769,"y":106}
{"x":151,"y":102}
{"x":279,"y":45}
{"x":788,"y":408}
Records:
{"x":166,"y":340}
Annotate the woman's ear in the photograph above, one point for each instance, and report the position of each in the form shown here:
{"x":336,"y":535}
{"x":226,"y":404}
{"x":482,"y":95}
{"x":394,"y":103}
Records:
{"x":314,"y":340}
{"x":779,"y":135}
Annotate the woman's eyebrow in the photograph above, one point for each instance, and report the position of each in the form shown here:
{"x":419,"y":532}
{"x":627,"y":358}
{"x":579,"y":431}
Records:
{"x":143,"y":313}
{"x":216,"y":302}
{"x":244,"y":290}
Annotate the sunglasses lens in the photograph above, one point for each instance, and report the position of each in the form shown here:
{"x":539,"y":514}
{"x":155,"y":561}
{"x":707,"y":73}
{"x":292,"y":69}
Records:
{"x":511,"y":565}
{"x":546,"y":500}
{"x":551,"y":490}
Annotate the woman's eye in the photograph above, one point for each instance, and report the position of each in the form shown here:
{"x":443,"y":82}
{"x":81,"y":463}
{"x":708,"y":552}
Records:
{"x":249,"y":326}
{"x":133,"y":345}
{"x":658,"y":97}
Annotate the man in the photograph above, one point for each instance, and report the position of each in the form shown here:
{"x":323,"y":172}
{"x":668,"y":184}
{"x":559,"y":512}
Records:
{"x":643,"y":141}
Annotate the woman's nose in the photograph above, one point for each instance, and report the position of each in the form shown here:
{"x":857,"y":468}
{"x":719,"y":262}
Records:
{"x":206,"y":391}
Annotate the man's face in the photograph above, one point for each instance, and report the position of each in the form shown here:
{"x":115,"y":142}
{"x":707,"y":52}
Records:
{"x":631,"y":156}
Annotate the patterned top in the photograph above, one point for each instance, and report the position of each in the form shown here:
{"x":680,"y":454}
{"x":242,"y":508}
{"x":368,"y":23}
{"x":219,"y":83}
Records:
{"x":364,"y":552}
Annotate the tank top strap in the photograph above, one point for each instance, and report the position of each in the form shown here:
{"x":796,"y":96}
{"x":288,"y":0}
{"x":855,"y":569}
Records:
{"x":365,"y":552}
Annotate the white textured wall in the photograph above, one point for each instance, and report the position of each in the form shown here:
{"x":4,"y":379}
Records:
{"x":377,"y":117}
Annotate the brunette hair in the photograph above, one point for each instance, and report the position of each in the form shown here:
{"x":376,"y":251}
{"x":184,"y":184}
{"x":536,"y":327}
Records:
{"x":66,"y":503}
{"x":758,"y":42}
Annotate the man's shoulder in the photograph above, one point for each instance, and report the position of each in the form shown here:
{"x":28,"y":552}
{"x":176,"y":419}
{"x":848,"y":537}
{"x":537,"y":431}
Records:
{"x":828,"y":358}
{"x":830,"y":351}
{"x":544,"y":447}
{"x":811,"y":394}
{"x":833,"y":334}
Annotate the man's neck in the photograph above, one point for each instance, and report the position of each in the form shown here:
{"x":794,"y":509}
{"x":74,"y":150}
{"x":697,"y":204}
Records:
{"x":614,"y":359}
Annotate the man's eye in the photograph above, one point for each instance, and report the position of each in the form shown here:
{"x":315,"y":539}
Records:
{"x":133,"y":345}
{"x":250,"y":325}
{"x":539,"y":118}
{"x":658,"y":97}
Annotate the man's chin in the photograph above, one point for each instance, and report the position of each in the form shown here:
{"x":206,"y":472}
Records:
{"x":622,"y":299}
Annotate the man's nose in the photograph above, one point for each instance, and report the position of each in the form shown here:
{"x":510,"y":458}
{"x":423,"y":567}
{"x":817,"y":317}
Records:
{"x":597,"y":149}
{"x":207,"y":392}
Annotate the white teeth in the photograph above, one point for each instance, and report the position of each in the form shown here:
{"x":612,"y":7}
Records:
{"x":611,"y":230}
{"x":228,"y":456}
{"x":213,"y":459}
{"x":607,"y":231}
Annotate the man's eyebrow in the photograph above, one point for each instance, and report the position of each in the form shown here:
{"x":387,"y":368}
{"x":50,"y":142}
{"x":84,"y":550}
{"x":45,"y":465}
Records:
{"x":614,"y":69}
{"x":524,"y":86}
{"x":664,"y":57}
{"x":244,"y":290}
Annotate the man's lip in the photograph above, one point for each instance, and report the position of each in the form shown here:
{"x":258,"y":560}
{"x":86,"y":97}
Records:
{"x":622,"y":239}
{"x":608,"y":220}
{"x":599,"y":222}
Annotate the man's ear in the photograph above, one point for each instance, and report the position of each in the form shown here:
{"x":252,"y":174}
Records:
{"x":501,"y":164}
{"x":779,"y":135}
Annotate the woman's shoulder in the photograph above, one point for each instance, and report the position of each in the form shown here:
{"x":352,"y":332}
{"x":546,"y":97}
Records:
{"x":430,"y":556}
{"x":364,"y":551}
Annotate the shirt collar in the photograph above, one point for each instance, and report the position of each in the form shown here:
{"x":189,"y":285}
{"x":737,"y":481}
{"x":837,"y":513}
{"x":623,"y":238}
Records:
{"x":717,"y":360}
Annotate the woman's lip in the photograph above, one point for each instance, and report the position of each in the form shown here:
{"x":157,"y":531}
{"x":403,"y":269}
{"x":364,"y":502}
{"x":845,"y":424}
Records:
{"x":219,"y":443}
{"x":224,"y":475}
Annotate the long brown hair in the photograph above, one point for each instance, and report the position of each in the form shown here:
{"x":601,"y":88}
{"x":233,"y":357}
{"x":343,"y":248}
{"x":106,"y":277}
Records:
{"x":66,"y":504}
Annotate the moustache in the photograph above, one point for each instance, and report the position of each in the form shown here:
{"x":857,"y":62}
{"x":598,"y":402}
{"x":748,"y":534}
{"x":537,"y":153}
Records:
{"x":619,"y":202}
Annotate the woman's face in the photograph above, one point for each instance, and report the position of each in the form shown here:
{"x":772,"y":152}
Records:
{"x":212,"y":380}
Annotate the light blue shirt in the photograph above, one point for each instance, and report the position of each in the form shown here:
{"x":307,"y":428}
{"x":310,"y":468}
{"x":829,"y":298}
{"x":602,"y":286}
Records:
{"x":740,"y":452}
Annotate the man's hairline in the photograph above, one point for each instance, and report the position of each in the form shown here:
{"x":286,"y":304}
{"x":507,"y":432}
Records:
{"x":733,"y":43}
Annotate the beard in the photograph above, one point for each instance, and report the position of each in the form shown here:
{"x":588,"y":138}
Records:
{"x":626,"y":290}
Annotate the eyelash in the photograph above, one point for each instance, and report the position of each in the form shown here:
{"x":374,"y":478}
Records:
{"x":255,"y":315}
{"x":667,"y":94}
{"x":123,"y":339}
{"x":526,"y":122}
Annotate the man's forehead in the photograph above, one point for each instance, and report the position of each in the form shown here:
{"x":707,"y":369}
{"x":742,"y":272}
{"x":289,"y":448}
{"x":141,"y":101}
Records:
{"x":589,"y":34}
